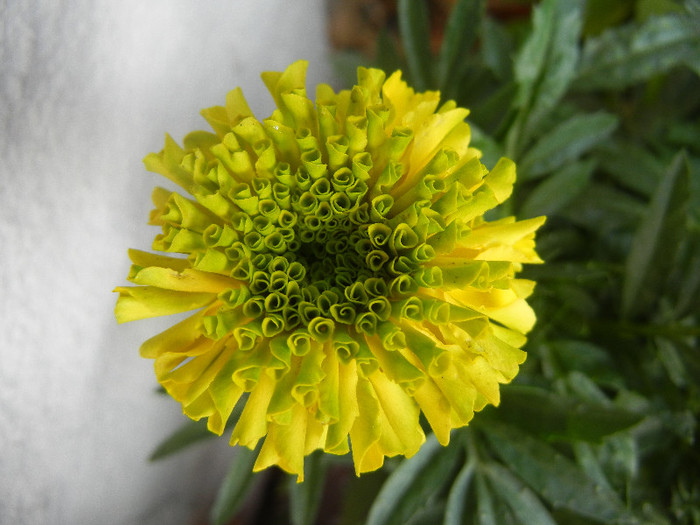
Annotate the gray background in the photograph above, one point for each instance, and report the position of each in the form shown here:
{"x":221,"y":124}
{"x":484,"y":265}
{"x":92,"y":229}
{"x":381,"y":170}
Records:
{"x":87,"y":89}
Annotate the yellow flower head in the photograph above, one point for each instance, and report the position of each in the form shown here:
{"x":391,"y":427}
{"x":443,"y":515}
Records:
{"x":344,"y":276}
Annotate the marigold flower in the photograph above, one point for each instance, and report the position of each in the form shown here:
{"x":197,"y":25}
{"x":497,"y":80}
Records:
{"x":344,"y":275}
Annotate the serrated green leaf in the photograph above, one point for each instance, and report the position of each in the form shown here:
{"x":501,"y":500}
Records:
{"x":555,"y":192}
{"x":412,"y":483}
{"x":531,"y":60}
{"x":460,"y":33}
{"x":525,"y":505}
{"x":415,"y":35}
{"x":566,"y":142}
{"x":657,"y":239}
{"x":236,"y":485}
{"x":554,"y":416}
{"x":188,"y":434}
{"x":554,"y":477}
{"x":626,"y":55}
{"x":305,"y":498}
{"x":560,"y":67}
{"x":545,"y":66}
{"x":458,"y":495}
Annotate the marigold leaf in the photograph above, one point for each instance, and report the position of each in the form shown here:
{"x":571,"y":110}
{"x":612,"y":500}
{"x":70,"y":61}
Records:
{"x":566,"y":142}
{"x":555,"y":416}
{"x":456,"y":499}
{"x":557,"y":191}
{"x":305,"y":498}
{"x":409,"y":486}
{"x":554,"y":477}
{"x":188,"y":434}
{"x":235,"y":487}
{"x":524,"y":504}
{"x":484,"y":501}
{"x":657,"y":239}
{"x":415,"y":34}
{"x":460,"y":33}
{"x":626,"y":55}
{"x":545,"y":66}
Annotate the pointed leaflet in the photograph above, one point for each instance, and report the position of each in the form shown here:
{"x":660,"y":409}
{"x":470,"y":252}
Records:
{"x":627,"y":55}
{"x":555,"y":416}
{"x":554,"y":477}
{"x":566,"y":142}
{"x":188,"y":434}
{"x":410,"y":485}
{"x":305,"y":498}
{"x":458,"y":495}
{"x":657,"y":239}
{"x":545,"y":66}
{"x":526,"y":507}
{"x":555,"y":192}
{"x":460,"y":33}
{"x":235,"y":486}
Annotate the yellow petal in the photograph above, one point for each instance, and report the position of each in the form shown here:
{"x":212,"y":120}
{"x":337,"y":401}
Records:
{"x":141,"y":302}
{"x":284,"y":445}
{"x":252,"y":424}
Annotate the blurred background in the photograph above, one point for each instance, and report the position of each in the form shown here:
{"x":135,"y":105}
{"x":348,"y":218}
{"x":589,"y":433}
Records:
{"x":87,"y":89}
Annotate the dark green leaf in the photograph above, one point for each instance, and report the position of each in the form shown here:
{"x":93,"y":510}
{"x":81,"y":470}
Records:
{"x":305,"y":498}
{"x":656,"y":240}
{"x":490,"y":149}
{"x":623,"y":56}
{"x":560,"y":67}
{"x":188,"y":434}
{"x":458,"y":495}
{"x":566,"y":142}
{"x":412,"y":483}
{"x":555,"y":192}
{"x":429,"y":515}
{"x":641,"y":176}
{"x":647,"y":8}
{"x":388,"y":56}
{"x":545,"y":66}
{"x":415,"y":35}
{"x":530,"y":63}
{"x":496,"y":49}
{"x":525,"y":505}
{"x":588,"y":461}
{"x":235,"y":486}
{"x":671,"y":360}
{"x":601,"y":14}
{"x":554,"y":477}
{"x":554,"y":416}
{"x":484,"y":501}
{"x":460,"y":34}
{"x":603,"y":209}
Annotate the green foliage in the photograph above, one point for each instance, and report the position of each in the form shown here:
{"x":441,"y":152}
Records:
{"x":598,"y":102}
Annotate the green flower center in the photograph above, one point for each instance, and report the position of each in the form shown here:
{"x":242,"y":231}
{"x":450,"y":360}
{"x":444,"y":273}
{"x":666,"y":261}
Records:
{"x":315,"y":252}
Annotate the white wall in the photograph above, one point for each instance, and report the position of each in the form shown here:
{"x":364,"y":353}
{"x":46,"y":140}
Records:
{"x":87,"y":89}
